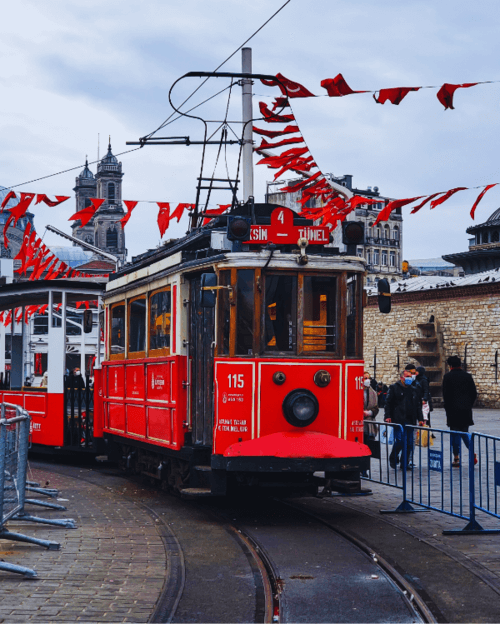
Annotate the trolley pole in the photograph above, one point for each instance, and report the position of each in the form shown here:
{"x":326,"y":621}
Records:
{"x":247,"y":152}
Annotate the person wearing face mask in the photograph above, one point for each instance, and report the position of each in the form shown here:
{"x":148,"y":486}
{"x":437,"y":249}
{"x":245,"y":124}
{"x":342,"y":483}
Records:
{"x":370,"y":407}
{"x":77,"y":378}
{"x":373,"y":382}
{"x":403,"y":406}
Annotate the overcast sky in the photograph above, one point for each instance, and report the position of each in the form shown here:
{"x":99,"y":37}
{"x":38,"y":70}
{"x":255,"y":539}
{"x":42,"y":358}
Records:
{"x":72,"y":70}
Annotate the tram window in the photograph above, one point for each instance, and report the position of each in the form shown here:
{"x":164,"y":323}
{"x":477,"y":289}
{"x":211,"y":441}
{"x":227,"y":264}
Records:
{"x":160,"y":310}
{"x":245,"y":311}
{"x":224,"y":312}
{"x":352,"y":314}
{"x":118,"y":329}
{"x":281,"y":313}
{"x":137,"y":325}
{"x":320,"y":316}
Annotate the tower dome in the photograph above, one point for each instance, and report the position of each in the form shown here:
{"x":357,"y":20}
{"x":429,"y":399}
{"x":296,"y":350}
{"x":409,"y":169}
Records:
{"x":86,"y":174}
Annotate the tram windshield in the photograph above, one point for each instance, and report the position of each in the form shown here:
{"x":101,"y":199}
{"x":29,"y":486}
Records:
{"x":320,"y":313}
{"x":280,"y":321}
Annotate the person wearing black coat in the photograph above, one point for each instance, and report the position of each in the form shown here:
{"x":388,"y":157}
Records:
{"x":459,"y":394}
{"x":423,"y":381}
{"x":403,"y":406}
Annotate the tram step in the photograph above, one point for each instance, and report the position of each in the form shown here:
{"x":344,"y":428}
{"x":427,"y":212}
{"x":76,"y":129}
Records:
{"x":196,"y":492}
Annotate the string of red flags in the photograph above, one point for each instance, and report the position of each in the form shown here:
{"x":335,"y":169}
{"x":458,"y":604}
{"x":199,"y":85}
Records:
{"x":130,"y":206}
{"x":87,"y":213}
{"x":338,"y":87}
{"x":29,"y":311}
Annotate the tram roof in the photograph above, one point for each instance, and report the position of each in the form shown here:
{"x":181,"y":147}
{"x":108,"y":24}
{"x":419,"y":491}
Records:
{"x":37,"y":292}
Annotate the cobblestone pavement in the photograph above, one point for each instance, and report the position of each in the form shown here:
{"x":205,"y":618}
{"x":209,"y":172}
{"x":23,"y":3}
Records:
{"x":110,"y":569}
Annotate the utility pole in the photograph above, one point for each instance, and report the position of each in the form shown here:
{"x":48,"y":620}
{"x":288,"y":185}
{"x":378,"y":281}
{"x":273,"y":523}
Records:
{"x":247,"y":155}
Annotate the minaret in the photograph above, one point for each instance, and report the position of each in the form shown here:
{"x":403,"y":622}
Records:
{"x":108,"y":232}
{"x":85,"y":188}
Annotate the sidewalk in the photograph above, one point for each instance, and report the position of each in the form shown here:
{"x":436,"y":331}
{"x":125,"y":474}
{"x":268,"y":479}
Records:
{"x":110,"y":569}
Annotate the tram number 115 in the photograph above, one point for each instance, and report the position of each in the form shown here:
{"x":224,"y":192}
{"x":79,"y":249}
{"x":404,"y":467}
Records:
{"x":360,"y":383}
{"x":236,"y":381}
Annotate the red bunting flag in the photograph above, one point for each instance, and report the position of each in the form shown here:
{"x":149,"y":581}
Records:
{"x":426,"y":200}
{"x":16,"y":212}
{"x":271,"y":117}
{"x":209,"y":214}
{"x":447,"y":91}
{"x":446,"y":196}
{"x":43,"y":198}
{"x":275,"y":162}
{"x":394,"y":96}
{"x":130,"y":206}
{"x":385,"y":213}
{"x":43,"y":309}
{"x":301,"y":185}
{"x":179,"y":211}
{"x":163,"y":217}
{"x":288,"y":87}
{"x":8,"y":318}
{"x":87,"y":213}
{"x":272,"y":134}
{"x":480,"y":197}
{"x":10,"y":195}
{"x":337,"y":87}
{"x":280,"y":102}
{"x":265,"y":145}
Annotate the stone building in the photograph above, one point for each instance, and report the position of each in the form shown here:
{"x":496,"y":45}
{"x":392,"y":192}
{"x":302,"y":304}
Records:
{"x":433,"y":318}
{"x":383,"y":248}
{"x":104,"y":229}
{"x":484,"y":248}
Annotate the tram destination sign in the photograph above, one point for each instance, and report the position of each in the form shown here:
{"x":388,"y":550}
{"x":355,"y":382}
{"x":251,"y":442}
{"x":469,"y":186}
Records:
{"x":282,"y":231}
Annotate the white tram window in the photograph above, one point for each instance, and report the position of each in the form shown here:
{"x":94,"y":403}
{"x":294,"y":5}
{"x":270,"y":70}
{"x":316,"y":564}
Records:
{"x":160,"y":310}
{"x":117,"y":329}
{"x":245,"y":312}
{"x":281,"y":313}
{"x":320,"y":313}
{"x":137,"y":325}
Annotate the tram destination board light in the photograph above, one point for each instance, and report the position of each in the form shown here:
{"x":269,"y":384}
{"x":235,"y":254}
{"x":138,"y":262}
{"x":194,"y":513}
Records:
{"x":353,"y":234}
{"x":238,"y":228}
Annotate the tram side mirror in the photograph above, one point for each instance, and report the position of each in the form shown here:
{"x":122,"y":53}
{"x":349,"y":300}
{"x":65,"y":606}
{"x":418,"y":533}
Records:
{"x":87,"y":321}
{"x":208,"y":296}
{"x":384,"y":296}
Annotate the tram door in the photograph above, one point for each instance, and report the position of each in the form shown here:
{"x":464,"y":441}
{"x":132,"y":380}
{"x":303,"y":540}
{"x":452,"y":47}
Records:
{"x":201,"y":348}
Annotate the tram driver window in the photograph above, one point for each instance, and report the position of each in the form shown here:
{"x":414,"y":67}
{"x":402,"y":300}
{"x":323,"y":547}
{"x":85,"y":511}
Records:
{"x":137,"y":325}
{"x":280,"y":322}
{"x":160,"y":304}
{"x":117,"y":329}
{"x":245,"y":308}
{"x":352,"y":315}
{"x":320,"y":318}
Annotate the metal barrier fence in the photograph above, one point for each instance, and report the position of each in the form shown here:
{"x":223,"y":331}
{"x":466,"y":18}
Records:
{"x":14,"y":443}
{"x":424,"y":468}
{"x":79,"y":412}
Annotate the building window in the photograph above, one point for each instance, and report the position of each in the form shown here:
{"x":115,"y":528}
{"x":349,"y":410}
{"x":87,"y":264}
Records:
{"x":360,"y":252}
{"x":111,"y":192}
{"x":376,"y":256}
{"x":494,"y":237}
{"x":370,"y":228}
{"x":112,"y":237}
{"x":485,"y":237}
{"x":88,"y":203}
{"x":396,"y":233}
{"x":369,"y":256}
{"x":392,"y":258}
{"x":377,"y":232}
{"x":96,"y":239}
{"x":384,"y":257}
{"x":387,"y":232}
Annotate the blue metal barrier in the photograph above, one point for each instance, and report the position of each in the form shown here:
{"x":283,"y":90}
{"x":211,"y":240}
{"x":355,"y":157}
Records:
{"x":433,"y":480}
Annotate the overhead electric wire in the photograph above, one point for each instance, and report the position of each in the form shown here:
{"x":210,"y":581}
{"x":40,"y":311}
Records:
{"x":215,"y":70}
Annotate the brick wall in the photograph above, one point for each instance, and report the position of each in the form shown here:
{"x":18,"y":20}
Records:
{"x":468,"y":315}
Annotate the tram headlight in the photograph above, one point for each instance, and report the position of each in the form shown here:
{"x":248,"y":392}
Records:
{"x":300,"y":407}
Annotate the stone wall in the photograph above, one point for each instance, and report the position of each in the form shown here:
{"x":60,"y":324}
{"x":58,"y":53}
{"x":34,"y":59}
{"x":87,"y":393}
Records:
{"x":469,"y":315}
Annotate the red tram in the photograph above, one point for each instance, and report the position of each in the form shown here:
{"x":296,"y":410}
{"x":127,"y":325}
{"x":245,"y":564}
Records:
{"x":233,"y":357}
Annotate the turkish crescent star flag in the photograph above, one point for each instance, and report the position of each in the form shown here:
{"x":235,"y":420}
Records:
{"x":337,"y":87}
{"x":87,"y":213}
{"x":43,"y":198}
{"x":163,"y":217}
{"x":394,"y":96}
{"x":292,"y":90}
{"x":130,"y":206}
{"x":10,"y":195}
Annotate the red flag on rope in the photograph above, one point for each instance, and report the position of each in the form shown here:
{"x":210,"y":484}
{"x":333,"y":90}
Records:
{"x":130,"y":206}
{"x":16,"y":212}
{"x":272,"y":134}
{"x":163,"y":217}
{"x":426,"y":200}
{"x":394,"y":96}
{"x":385,"y":213}
{"x":217,"y":211}
{"x":10,"y":195}
{"x":293,"y":89}
{"x":87,"y":213}
{"x":301,"y":185}
{"x":265,"y":145}
{"x":271,"y":117}
{"x":280,"y":102}
{"x":43,"y":198}
{"x":447,"y":91}
{"x":179,"y":211}
{"x":337,"y":87}
{"x":447,"y":195}
{"x":480,"y":197}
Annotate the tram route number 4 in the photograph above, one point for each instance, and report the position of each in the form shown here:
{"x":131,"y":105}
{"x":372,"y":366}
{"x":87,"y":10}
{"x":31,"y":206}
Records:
{"x":236,"y":381}
{"x":283,"y":231}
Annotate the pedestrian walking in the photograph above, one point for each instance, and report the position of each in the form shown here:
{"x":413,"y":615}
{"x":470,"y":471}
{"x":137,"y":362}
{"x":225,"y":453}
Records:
{"x":373,"y":381}
{"x":381,"y":394}
{"x":370,"y":409}
{"x":459,"y":394}
{"x":403,"y":406}
{"x":423,"y":381}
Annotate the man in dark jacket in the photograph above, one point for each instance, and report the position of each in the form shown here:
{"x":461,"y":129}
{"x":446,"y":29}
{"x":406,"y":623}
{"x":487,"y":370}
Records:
{"x":403,"y":406}
{"x":459,"y":394}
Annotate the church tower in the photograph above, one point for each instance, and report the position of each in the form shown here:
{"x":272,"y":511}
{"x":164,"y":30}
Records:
{"x":108,"y":232}
{"x":85,"y":188}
